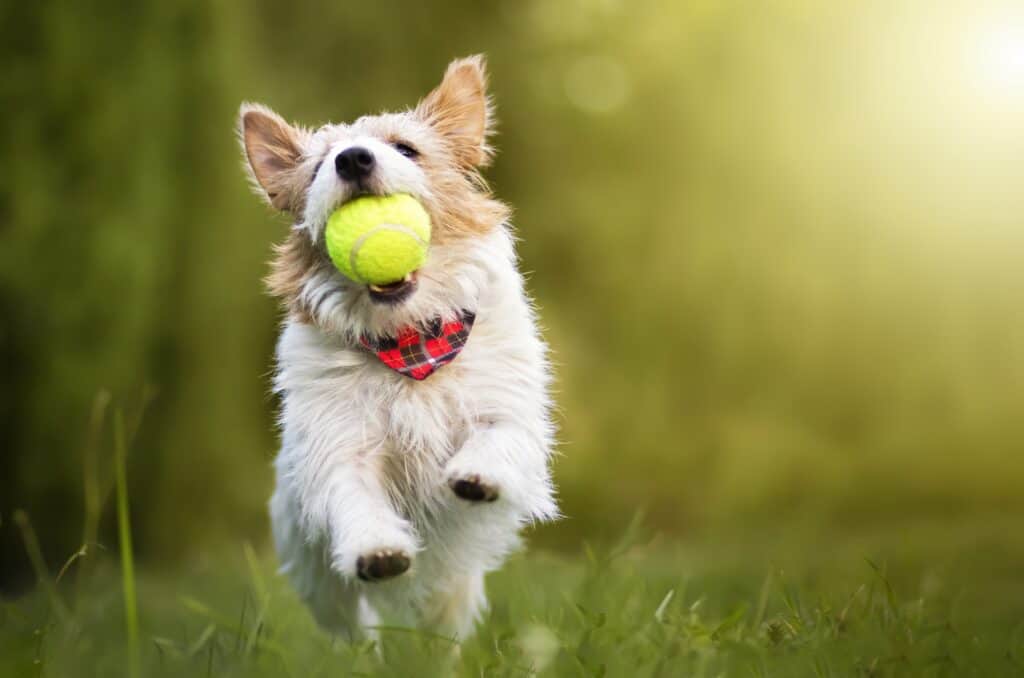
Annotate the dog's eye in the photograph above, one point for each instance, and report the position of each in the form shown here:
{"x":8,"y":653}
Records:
{"x":316,"y":170}
{"x":406,"y":150}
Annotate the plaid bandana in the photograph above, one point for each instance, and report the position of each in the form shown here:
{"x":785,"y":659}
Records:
{"x":418,"y":354}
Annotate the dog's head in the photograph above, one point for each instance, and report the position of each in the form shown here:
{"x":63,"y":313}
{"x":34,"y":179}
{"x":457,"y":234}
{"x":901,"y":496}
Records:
{"x":433,"y":152}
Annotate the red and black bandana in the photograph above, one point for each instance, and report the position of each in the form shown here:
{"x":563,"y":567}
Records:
{"x":419,"y":352}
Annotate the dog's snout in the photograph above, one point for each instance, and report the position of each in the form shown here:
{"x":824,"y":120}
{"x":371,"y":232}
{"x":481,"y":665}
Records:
{"x":354,"y":163}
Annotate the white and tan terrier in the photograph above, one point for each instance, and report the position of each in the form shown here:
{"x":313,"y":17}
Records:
{"x":398,"y":489}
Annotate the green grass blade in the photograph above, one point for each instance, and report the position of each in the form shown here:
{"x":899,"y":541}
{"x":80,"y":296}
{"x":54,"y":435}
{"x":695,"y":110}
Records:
{"x":90,"y":469}
{"x":35,"y":556}
{"x":131,"y":618}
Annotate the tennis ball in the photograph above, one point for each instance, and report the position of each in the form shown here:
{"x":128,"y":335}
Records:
{"x":378,"y":239}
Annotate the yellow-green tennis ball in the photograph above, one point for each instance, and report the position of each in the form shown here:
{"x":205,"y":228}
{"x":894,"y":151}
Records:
{"x":378,"y":239}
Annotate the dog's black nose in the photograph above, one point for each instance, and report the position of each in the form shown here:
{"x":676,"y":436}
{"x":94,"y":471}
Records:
{"x":354,"y":163}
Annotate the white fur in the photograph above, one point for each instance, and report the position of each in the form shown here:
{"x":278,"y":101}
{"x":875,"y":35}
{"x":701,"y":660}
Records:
{"x":367,"y":453}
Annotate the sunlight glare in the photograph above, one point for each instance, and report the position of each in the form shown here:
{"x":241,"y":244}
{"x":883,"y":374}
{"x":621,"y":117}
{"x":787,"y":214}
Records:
{"x":1002,"y":56}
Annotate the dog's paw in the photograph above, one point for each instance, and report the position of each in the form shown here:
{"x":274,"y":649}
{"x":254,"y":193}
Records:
{"x":382,"y":564}
{"x":472,"y":487}
{"x":382,"y":552}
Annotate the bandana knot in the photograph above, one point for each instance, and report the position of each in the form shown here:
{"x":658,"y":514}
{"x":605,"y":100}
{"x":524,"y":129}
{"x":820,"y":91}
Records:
{"x":418,"y":352}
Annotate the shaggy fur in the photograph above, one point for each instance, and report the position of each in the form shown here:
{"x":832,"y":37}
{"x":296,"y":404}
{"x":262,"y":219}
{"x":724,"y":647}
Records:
{"x":371,"y":461}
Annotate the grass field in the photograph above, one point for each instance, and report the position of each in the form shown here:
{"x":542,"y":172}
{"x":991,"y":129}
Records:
{"x":932,"y":599}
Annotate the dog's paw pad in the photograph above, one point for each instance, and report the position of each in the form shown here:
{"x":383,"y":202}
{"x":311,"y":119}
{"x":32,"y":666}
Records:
{"x":382,"y":564}
{"x":472,"y":488}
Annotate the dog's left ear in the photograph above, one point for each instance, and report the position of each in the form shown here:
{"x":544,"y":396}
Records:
{"x":460,"y":109}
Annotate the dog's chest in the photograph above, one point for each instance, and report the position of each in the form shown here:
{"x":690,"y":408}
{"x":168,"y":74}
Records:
{"x":413,"y":427}
{"x":346,"y":397}
{"x":429,"y":418}
{"x":345,"y":400}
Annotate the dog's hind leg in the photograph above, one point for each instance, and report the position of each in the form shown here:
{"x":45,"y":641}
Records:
{"x":455,"y":609}
{"x":333,"y":600}
{"x":335,"y":604}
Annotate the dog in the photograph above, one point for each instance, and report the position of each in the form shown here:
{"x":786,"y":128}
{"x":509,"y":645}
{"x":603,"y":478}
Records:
{"x":415,"y":418}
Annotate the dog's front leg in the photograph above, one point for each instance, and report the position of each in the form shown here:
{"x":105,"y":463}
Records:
{"x":507,"y":462}
{"x":369,"y":540}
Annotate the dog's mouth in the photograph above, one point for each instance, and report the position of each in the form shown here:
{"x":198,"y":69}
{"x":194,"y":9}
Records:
{"x":393,"y":293}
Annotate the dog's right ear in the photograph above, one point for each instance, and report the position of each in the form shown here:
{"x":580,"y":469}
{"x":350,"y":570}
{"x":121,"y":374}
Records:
{"x":273,"y":150}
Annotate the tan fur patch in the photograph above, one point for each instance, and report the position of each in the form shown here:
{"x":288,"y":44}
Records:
{"x":462,"y":205}
{"x":294,"y":261}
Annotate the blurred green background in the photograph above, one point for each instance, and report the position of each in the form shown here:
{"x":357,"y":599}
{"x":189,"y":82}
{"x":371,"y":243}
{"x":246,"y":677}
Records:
{"x":777,"y":249}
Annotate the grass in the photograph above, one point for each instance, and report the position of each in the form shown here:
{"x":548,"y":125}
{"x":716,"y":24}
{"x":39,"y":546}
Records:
{"x":124,"y":532}
{"x":935,"y":600}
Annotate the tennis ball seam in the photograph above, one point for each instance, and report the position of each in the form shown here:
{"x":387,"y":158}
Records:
{"x":358,"y":244}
